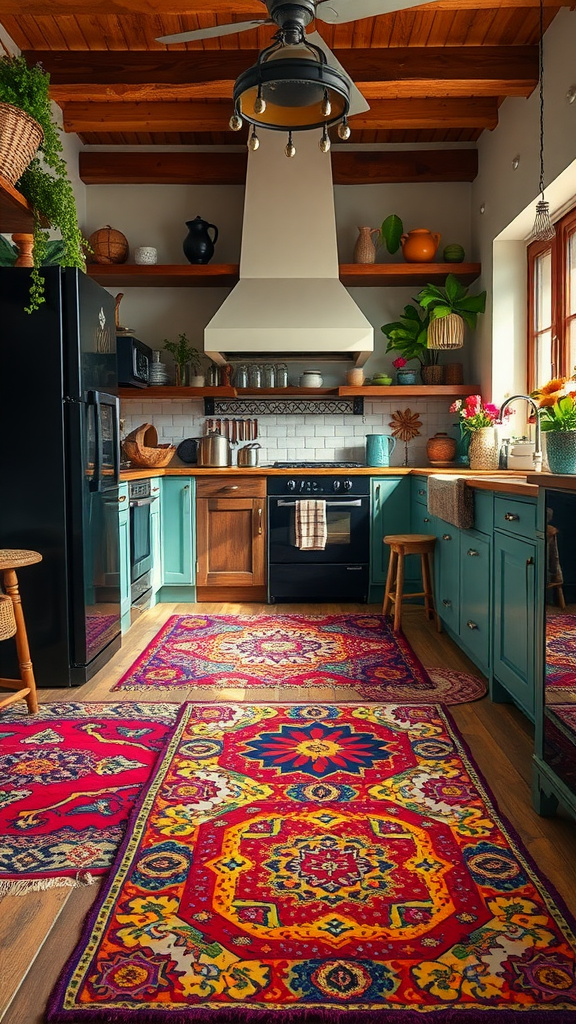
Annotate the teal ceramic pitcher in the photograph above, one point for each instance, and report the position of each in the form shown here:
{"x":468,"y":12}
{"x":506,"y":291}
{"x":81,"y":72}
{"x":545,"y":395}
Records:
{"x":379,"y":448}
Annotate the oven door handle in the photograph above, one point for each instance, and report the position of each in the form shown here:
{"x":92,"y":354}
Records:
{"x":330,"y":504}
{"x":139,"y":502}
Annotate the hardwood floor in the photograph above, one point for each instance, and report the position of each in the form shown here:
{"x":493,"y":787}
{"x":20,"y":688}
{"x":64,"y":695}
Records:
{"x":39,"y":931}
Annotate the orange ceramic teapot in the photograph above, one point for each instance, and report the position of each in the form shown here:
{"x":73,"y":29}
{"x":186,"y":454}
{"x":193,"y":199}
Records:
{"x":420,"y":245}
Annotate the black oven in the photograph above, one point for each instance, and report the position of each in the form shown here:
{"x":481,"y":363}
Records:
{"x":337,"y":572}
{"x":141,"y":500}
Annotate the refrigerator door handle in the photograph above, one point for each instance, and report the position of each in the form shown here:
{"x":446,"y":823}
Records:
{"x":116,"y":436}
{"x":93,"y":400}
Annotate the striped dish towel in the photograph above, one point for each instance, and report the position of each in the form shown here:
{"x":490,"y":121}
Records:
{"x":310,"y":525}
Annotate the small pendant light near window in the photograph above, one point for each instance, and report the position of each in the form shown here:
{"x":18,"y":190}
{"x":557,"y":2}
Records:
{"x":543,"y":229}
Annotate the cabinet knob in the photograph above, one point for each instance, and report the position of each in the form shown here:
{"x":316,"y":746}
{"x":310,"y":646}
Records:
{"x":510,"y":517}
{"x":473,"y":553}
{"x":447,"y":603}
{"x":446,"y":536}
{"x":472,"y":625}
{"x":425,"y":520}
{"x":230,"y":487}
{"x":422,"y":493}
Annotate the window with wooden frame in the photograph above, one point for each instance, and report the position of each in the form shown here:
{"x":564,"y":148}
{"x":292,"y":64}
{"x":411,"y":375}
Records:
{"x":552,"y":305}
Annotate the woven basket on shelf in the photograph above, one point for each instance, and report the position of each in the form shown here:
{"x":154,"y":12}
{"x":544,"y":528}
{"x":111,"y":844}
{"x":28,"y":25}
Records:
{"x":142,"y":448}
{"x":7,"y":620}
{"x":20,"y":136}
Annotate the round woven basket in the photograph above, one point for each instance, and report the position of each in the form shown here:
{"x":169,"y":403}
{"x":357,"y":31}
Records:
{"x":7,"y":620}
{"x":142,"y":448}
{"x":20,"y":136}
{"x":109,"y":245}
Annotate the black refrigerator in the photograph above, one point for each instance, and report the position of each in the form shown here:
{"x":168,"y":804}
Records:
{"x":59,"y":471}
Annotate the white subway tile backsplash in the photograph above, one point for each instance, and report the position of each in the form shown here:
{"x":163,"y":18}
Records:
{"x":306,"y":438}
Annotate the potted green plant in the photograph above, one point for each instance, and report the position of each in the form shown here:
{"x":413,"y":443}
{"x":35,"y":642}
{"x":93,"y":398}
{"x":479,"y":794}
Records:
{"x":557,"y":412}
{"x":44,"y":182}
{"x":185,"y":355}
{"x":408,"y":336}
{"x":449,"y":309}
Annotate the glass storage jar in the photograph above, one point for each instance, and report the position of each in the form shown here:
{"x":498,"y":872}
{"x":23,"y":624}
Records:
{"x":241,"y":376}
{"x":281,"y":375}
{"x":269,"y":376}
{"x":254,"y":375}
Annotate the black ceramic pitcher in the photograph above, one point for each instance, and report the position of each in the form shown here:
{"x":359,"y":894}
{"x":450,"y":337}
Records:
{"x":198,"y":246}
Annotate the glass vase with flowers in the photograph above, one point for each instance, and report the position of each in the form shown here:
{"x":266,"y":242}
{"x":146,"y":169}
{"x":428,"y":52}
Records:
{"x":476,"y":421}
{"x":557,"y":411}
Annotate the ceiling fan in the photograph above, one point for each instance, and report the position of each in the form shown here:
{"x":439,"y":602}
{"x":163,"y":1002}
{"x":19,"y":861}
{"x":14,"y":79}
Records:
{"x":264,"y":93}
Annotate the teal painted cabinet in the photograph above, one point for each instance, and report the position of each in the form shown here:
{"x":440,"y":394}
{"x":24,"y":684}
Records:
{"x":447,"y":574}
{"x":475,"y":617}
{"x":155,"y":534}
{"x":124,"y":524}
{"x":514,"y":618}
{"x":390,"y":512}
{"x":177,"y":530}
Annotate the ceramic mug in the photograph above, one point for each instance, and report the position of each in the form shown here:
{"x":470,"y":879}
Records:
{"x":379,"y":448}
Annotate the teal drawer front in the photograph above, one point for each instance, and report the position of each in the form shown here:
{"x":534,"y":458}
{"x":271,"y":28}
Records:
{"x":422,"y":521}
{"x":484,"y":511}
{"x":419,"y":488}
{"x":515,"y":516}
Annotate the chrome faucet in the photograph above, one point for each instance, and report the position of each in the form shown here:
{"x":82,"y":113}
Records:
{"x":537,"y":457}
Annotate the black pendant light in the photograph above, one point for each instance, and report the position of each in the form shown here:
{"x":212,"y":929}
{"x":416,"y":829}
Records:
{"x":543,"y":229}
{"x":292,"y":88}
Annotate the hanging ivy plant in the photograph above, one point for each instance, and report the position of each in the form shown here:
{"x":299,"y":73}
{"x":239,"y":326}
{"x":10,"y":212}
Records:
{"x":45,"y":182}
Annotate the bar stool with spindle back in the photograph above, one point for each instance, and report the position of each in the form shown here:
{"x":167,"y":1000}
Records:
{"x":403,"y":544}
{"x":12,"y":624}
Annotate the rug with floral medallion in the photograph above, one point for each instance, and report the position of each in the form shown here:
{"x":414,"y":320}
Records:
{"x":354,"y":651}
{"x":320,"y":863}
{"x":69,"y":778}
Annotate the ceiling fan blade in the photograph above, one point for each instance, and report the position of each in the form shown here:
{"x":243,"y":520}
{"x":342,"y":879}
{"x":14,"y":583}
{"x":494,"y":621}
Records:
{"x":214,"y":32}
{"x":358,"y":103}
{"x":338,"y":12}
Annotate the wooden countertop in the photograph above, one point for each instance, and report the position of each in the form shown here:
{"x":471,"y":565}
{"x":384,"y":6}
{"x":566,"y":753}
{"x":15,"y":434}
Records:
{"x":503,"y":480}
{"x":560,"y":482}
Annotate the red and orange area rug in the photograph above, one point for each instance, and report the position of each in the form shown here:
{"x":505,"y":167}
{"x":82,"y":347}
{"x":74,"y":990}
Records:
{"x":70,"y":776}
{"x":317,"y":863}
{"x":358,"y":651}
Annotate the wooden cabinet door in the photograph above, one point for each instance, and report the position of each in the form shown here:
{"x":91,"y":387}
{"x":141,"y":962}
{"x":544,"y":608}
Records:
{"x":231,"y":542}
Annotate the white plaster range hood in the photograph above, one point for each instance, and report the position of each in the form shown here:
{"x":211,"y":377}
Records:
{"x":289,"y":299}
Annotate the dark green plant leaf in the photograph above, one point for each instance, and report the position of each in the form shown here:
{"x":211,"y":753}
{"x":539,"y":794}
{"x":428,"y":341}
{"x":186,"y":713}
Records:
{"x":440,"y":311}
{"x":473,"y":303}
{"x":454,"y":289}
{"x":391,"y":232}
{"x":8,"y":253}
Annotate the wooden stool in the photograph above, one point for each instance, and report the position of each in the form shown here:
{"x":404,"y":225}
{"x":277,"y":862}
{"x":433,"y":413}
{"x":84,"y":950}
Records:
{"x":402,"y":544}
{"x":10,"y":560}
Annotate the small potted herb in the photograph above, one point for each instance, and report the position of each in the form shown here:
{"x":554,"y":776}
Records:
{"x":185,"y":355}
{"x":45,"y":182}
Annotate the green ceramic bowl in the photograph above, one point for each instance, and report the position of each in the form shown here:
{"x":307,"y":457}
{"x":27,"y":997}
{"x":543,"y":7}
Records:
{"x":381,"y":378}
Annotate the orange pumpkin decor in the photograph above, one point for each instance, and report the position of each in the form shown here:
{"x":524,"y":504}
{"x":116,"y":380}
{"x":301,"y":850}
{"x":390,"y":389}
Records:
{"x":109,"y":245}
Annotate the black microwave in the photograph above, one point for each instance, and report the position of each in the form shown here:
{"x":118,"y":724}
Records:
{"x":133,"y":358}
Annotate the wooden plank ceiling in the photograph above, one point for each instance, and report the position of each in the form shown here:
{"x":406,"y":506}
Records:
{"x":435,"y":73}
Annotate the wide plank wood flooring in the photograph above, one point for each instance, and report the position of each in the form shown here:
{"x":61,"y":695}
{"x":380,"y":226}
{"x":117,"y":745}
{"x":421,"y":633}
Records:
{"x":39,"y":931}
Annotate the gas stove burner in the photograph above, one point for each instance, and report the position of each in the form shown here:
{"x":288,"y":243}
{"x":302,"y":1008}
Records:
{"x":318,"y":465}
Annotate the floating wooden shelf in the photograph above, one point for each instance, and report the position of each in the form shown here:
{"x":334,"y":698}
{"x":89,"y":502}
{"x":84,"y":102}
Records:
{"x":397,"y":275}
{"x":225,"y":275}
{"x":176,"y":275}
{"x":416,"y":390}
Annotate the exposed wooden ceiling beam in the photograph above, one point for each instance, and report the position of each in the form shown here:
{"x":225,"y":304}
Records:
{"x":400,"y":63}
{"x":211,"y":116}
{"x":348,"y":168}
{"x":252,"y":8}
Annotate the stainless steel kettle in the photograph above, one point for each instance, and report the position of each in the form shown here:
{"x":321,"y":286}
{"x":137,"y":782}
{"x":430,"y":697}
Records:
{"x":213,"y":450}
{"x":248,"y":455}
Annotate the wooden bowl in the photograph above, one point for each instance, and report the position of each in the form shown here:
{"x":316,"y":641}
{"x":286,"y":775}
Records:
{"x":142,"y":448}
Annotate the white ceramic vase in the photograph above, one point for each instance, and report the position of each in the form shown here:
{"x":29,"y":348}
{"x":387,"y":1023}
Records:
{"x":483,"y":451}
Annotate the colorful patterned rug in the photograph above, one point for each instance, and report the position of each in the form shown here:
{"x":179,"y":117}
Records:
{"x":318,"y":863}
{"x":69,"y":777}
{"x":359,"y":651}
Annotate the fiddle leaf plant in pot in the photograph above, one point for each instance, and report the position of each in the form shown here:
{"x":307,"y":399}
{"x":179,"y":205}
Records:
{"x":184,"y":355}
{"x":44,"y":182}
{"x":449,"y":308}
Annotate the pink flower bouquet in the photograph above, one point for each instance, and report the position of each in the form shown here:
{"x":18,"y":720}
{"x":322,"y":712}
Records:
{"x":473,"y":413}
